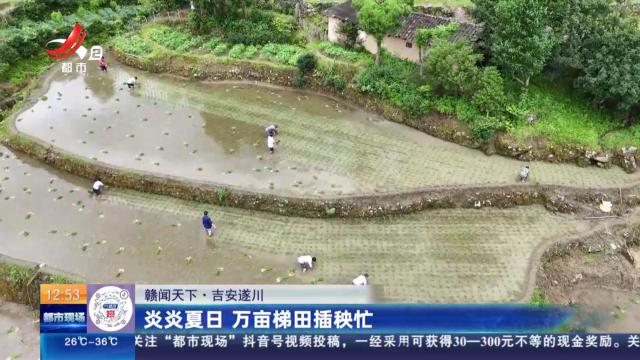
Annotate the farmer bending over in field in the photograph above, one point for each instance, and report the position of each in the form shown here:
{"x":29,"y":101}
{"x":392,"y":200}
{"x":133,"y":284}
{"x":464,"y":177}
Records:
{"x":96,"y":189}
{"x":271,"y":130}
{"x":306,"y":262}
{"x":361,"y":280}
{"x":131,"y":83}
{"x":102,"y":64}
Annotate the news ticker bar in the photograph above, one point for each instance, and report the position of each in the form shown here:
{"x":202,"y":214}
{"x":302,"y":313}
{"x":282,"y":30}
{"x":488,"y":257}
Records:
{"x":374,"y":346}
{"x":124,"y":321}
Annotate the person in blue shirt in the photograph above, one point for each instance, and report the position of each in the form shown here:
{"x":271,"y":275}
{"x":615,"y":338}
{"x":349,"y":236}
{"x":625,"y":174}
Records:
{"x":208,"y":224}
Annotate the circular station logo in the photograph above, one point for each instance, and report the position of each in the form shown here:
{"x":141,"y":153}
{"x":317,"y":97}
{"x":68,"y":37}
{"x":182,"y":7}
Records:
{"x":110,"y":308}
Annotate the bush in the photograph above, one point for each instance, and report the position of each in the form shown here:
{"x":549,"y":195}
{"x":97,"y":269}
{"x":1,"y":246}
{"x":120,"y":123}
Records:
{"x":40,"y":10}
{"x":132,"y":45}
{"x":283,"y":54}
{"x":156,"y":6}
{"x":201,"y":24}
{"x":482,"y":126}
{"x":262,"y":27}
{"x":350,"y":32}
{"x":26,"y":69}
{"x":211,"y":43}
{"x":299,"y":80}
{"x":395,"y":80}
{"x":332,"y":77}
{"x":220,"y":49}
{"x":306,"y":63}
{"x":250,"y":51}
{"x":246,"y":32}
{"x":27,"y":37}
{"x":237,"y":51}
{"x":8,"y":54}
{"x":56,"y":16}
{"x":4,"y":68}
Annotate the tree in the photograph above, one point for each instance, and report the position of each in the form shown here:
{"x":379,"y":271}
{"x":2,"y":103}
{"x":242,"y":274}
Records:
{"x":220,"y":9}
{"x":452,"y":67}
{"x":425,"y":36}
{"x":603,"y":46}
{"x":381,"y":17}
{"x":490,"y":96}
{"x":519,"y":35}
{"x":350,"y":31}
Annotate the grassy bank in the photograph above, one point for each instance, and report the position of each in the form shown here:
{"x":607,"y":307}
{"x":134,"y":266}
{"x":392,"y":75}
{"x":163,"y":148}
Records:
{"x":566,"y":118}
{"x":20,"y":281}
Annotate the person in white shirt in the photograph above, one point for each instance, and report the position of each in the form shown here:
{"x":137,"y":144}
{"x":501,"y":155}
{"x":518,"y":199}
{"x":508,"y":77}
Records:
{"x":131,"y":83}
{"x":524,"y":173}
{"x":97,"y":187}
{"x":361,"y":280}
{"x":306,"y":262}
{"x":271,"y":143}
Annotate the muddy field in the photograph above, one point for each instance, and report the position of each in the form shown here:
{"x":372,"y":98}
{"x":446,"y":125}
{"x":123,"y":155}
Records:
{"x":435,"y":256}
{"x":19,"y":332}
{"x":215,"y":132}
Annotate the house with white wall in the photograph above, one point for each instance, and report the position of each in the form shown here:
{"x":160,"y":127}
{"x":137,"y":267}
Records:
{"x":402,"y":43}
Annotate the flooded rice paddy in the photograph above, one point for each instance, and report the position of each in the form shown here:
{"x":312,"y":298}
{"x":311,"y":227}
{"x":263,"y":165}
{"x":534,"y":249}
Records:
{"x":436,"y":256}
{"x":19,"y":332}
{"x":215,"y":132}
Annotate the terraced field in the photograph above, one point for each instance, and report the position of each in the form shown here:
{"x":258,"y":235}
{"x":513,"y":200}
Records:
{"x":435,"y":256}
{"x":215,"y":133}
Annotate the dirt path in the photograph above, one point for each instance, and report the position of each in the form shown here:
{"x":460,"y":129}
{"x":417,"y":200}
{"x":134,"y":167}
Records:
{"x":436,"y":256}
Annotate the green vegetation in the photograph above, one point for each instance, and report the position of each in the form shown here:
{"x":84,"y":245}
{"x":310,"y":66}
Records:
{"x":594,"y":45}
{"x":221,"y":49}
{"x":222,"y":193}
{"x":622,"y":137}
{"x":539,"y":298}
{"x":237,"y":51}
{"x":381,"y":18}
{"x":131,"y":44}
{"x":283,"y":54}
{"x":21,"y":71}
{"x":34,"y":23}
{"x":331,"y":76}
{"x":563,"y":118}
{"x":337,"y":52}
{"x":394,"y":80}
{"x":174,"y":40}
{"x":18,"y":275}
{"x":450,"y":3}
{"x":518,"y":36}
{"x":211,"y":43}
